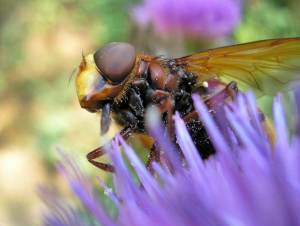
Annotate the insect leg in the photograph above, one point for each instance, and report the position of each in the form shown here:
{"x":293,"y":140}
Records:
{"x":194,"y":125}
{"x":164,"y":102}
{"x":229,"y":92}
{"x":193,"y":115}
{"x":140,"y":84}
{"x":98,"y":152}
{"x":169,"y":104}
{"x":154,"y":156}
{"x":232,"y":90}
{"x":127,"y":118}
{"x":136,"y":103}
{"x":166,"y":105}
{"x":160,"y":98}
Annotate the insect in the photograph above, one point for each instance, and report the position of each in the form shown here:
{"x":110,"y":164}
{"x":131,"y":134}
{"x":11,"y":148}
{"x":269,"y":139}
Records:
{"x":122,"y":83}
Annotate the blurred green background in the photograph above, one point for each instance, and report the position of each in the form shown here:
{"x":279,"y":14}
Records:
{"x":40,"y":47}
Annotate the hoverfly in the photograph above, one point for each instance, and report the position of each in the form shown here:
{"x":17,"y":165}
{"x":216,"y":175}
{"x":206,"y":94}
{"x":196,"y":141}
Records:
{"x":122,"y":83}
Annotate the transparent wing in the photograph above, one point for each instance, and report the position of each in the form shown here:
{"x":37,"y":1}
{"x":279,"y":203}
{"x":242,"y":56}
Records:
{"x":264,"y":66}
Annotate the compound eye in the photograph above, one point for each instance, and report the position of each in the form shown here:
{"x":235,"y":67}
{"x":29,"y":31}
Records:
{"x":115,"y":60}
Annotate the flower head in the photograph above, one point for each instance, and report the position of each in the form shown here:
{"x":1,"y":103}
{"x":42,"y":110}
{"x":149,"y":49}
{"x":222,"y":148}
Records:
{"x":198,"y":18}
{"x":250,"y":181}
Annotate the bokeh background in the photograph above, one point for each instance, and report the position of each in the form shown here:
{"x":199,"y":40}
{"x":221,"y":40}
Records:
{"x":41,"y":43}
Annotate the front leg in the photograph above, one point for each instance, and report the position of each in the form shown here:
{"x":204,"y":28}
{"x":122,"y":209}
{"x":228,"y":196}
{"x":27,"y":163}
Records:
{"x":98,"y":152}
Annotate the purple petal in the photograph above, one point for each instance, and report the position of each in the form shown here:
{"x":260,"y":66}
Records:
{"x":248,"y":182}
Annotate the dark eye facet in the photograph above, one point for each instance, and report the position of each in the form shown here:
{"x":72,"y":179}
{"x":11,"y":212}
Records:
{"x":115,"y":60}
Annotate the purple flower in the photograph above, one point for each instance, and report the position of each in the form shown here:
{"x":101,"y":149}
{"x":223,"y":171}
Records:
{"x":198,"y":18}
{"x":248,"y":182}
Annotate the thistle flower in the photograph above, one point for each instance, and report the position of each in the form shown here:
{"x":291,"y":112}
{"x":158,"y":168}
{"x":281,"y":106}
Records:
{"x":198,"y":18}
{"x":248,"y":182}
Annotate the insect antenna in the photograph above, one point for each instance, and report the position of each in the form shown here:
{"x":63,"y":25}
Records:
{"x":71,"y":76}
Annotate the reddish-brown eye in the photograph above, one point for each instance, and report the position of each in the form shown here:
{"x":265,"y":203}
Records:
{"x":115,"y":60}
